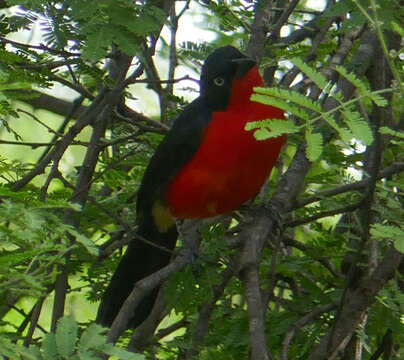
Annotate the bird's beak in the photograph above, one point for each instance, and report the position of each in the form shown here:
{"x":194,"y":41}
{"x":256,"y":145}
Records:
{"x":244,"y":65}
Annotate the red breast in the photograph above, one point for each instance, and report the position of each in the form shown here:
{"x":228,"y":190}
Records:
{"x":230,"y":165}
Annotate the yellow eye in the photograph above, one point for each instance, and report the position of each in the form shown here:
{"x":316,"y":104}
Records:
{"x":219,"y":81}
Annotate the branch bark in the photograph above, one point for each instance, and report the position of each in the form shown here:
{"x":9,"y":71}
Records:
{"x":254,"y":236}
{"x":355,"y":303}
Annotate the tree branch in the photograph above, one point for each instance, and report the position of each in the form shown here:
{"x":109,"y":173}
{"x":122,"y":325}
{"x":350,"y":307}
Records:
{"x":254,"y":236}
{"x":303,"y":321}
{"x":327,"y":213}
{"x":356,"y":303}
{"x":393,"y":169}
{"x":60,"y":147}
{"x":259,"y":29}
{"x":206,"y":310}
{"x":144,"y":286}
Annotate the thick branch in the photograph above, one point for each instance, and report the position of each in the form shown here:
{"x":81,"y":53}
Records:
{"x":259,"y":29}
{"x":55,"y":105}
{"x":254,"y":236}
{"x":356,"y":303}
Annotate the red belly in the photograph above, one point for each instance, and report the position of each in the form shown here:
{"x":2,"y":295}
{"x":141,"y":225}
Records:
{"x":229,"y":167}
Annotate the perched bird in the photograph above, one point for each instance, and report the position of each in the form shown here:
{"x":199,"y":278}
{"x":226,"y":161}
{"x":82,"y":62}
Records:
{"x":207,"y":165}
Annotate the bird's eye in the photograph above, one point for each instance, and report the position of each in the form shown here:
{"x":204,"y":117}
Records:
{"x":219,"y":81}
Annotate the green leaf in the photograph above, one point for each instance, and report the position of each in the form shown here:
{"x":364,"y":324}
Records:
{"x":85,"y":241}
{"x":355,"y":81}
{"x":289,"y":95}
{"x":389,"y":232}
{"x":33,"y":352}
{"x":396,"y":133}
{"x":339,"y":8}
{"x":66,"y":336}
{"x":15,"y":86}
{"x":282,"y":104}
{"x":49,"y":347}
{"x":313,"y":74}
{"x":126,"y":43}
{"x":16,"y":257}
{"x":359,"y":127}
{"x":121,"y":354}
{"x":378,"y":99}
{"x":399,"y":244}
{"x":345,"y":134}
{"x":92,"y":338}
{"x":314,"y":145}
{"x":262,"y":134}
{"x":15,"y":351}
{"x":271,"y":128}
{"x":56,"y":204}
{"x":88,"y":355}
{"x":97,"y":44}
{"x":397,"y":28}
{"x":361,"y":86}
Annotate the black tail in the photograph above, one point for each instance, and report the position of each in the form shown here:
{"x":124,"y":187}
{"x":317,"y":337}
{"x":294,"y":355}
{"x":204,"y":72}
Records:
{"x":139,"y":261}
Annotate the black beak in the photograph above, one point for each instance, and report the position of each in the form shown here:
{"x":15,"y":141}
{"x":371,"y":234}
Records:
{"x":244,"y":65}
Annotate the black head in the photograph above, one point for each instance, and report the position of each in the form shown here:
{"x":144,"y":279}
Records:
{"x":220,"y":68}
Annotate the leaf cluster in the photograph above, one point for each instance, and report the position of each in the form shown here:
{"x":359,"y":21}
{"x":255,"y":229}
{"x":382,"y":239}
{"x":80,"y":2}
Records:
{"x":34,"y":239}
{"x":345,"y":119}
{"x":91,"y":28}
{"x":67,"y":343}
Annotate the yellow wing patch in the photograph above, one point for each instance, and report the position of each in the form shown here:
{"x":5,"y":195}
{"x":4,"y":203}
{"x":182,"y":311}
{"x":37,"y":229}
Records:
{"x":163,"y":218}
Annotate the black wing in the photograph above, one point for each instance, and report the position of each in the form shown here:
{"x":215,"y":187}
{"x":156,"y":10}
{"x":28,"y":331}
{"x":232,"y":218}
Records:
{"x":173,"y":153}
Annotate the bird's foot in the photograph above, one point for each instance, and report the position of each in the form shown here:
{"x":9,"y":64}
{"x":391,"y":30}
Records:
{"x":191,"y":238}
{"x":247,"y":213}
{"x":275,"y":216}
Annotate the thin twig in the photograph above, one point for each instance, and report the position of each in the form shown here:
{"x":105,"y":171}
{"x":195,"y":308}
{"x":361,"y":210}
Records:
{"x":60,"y":146}
{"x":162,"y":333}
{"x":74,"y":86}
{"x":40,"y":122}
{"x":144,"y":286}
{"x":38,"y":47}
{"x":393,"y":169}
{"x":33,"y":145}
{"x":305,"y":320}
{"x":275,"y":33}
{"x":49,"y":65}
{"x":327,"y":213}
{"x":206,"y":310}
{"x":323,"y":260}
{"x":36,"y":311}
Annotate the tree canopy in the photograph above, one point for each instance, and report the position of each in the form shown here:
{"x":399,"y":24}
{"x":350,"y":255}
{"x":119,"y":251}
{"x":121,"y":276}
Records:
{"x":74,"y":143}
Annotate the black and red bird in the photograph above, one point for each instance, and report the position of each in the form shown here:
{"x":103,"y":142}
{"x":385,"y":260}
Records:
{"x":207,"y":165}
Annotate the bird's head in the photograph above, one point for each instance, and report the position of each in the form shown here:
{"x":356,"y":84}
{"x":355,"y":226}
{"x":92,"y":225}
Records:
{"x":228,"y":76}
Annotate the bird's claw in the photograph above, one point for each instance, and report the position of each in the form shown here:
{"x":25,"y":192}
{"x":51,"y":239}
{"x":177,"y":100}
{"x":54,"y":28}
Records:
{"x":272,"y":211}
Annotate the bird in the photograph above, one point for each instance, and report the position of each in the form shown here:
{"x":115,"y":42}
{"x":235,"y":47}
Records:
{"x":207,"y":165}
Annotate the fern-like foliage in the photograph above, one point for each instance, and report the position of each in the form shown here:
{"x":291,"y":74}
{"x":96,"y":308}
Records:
{"x":314,"y":144}
{"x":318,"y":78}
{"x":66,"y":343}
{"x":277,"y":127}
{"x":307,"y":112}
{"x":33,"y":239}
{"x":390,"y":233}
